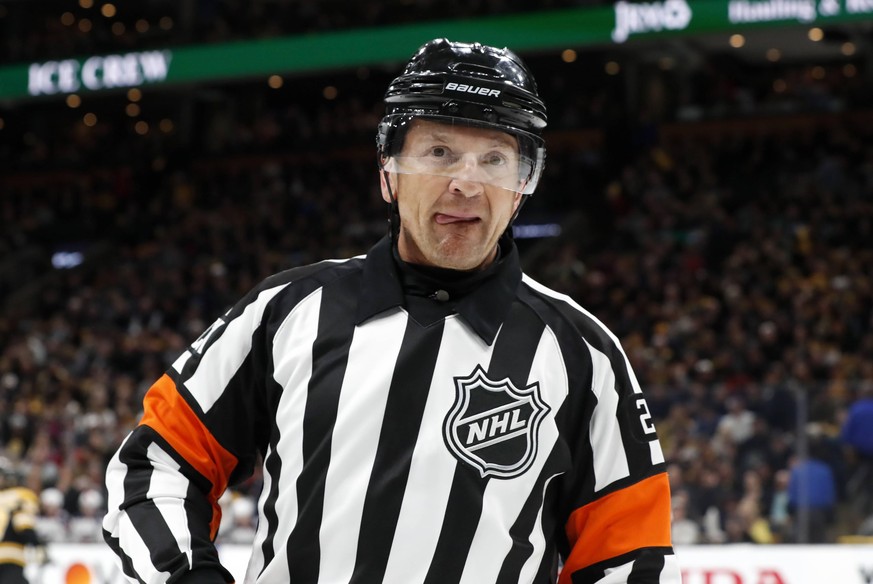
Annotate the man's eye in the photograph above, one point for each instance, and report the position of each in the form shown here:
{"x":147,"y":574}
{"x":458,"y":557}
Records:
{"x":439,"y":151}
{"x":495,"y":159}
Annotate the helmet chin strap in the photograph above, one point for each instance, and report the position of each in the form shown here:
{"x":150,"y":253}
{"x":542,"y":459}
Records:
{"x":394,"y":218}
{"x":508,"y":231}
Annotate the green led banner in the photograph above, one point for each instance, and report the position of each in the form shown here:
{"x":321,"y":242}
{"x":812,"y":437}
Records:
{"x":570,"y":28}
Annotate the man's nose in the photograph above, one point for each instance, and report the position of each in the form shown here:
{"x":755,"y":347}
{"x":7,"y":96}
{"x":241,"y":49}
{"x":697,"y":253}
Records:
{"x":469,"y":178}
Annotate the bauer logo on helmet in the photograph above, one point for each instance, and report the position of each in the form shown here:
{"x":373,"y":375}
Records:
{"x":464,"y":88}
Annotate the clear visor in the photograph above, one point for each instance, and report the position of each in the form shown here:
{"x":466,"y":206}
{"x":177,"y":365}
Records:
{"x":470,"y":153}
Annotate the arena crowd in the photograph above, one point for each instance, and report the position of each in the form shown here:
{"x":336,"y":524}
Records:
{"x":721,"y":231}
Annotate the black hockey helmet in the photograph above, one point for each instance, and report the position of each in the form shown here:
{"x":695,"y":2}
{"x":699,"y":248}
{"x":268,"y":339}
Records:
{"x":470,"y":84}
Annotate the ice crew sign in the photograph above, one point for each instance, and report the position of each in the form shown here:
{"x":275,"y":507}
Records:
{"x":493,"y":426}
{"x":107,"y":72}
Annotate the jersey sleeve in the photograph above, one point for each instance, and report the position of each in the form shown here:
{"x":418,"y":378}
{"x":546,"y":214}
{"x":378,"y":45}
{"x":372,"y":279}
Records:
{"x":201,"y":430}
{"x":618,"y":525}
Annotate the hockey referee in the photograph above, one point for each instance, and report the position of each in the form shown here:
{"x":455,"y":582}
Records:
{"x":427,"y":413}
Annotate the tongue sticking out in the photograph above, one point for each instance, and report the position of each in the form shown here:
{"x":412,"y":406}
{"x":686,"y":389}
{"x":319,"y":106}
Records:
{"x":443,"y":219}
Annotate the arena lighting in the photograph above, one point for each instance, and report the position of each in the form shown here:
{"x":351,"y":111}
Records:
{"x":64,"y":260}
{"x":536,"y":230}
{"x":547,"y":30}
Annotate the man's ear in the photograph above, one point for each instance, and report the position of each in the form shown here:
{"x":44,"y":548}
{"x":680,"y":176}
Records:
{"x":383,"y":183}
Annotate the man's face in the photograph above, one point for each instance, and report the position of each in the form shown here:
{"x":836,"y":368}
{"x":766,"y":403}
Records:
{"x":453,"y":219}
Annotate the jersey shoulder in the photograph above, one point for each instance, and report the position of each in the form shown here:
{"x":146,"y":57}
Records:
{"x":561,"y":311}
{"x":319,"y":272}
{"x":292,"y":285}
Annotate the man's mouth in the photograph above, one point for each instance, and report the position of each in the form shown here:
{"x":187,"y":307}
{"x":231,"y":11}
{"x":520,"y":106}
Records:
{"x":446,"y":219}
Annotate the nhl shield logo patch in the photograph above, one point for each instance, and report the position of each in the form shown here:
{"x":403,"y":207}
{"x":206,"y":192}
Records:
{"x":493,"y":425}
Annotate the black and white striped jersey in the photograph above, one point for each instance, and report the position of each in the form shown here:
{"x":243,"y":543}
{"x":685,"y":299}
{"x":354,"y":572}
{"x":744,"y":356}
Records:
{"x":489,"y":435}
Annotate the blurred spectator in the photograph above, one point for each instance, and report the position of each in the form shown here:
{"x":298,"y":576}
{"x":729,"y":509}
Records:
{"x":780,"y":511}
{"x":812,"y":496}
{"x":754,"y":526}
{"x":684,"y":530}
{"x":857,"y":435}
{"x":51,"y":524}
{"x":866,"y":527}
{"x":86,"y":527}
{"x":243,"y":521}
{"x":737,"y":424}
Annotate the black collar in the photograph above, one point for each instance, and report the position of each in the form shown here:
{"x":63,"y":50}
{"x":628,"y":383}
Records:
{"x":484,"y":308}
